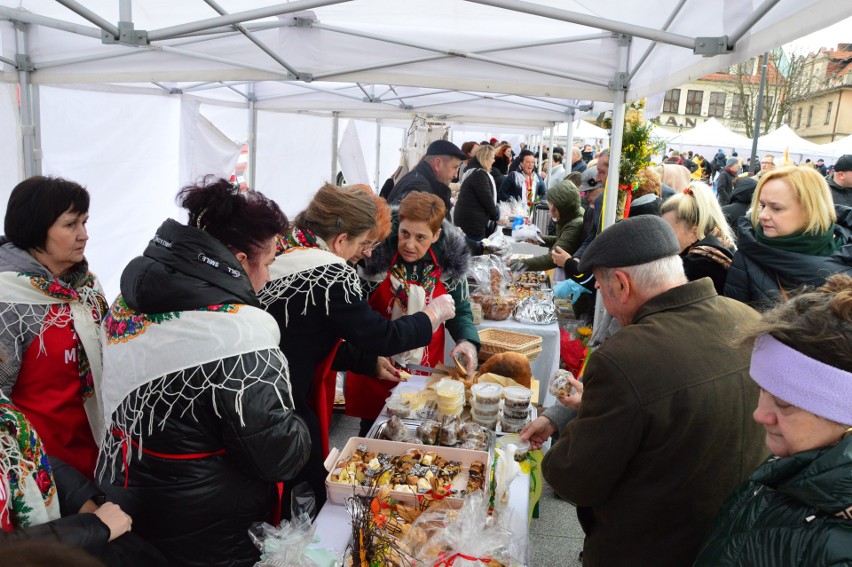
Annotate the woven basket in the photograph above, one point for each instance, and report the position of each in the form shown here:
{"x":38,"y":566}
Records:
{"x":495,"y":341}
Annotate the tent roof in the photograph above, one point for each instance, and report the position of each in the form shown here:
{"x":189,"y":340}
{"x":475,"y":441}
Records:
{"x":784,"y":138}
{"x":712,"y":133}
{"x":470,"y":47}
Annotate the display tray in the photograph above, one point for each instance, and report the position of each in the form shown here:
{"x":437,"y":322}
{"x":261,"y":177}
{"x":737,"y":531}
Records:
{"x":496,"y":341}
{"x":338,"y":492}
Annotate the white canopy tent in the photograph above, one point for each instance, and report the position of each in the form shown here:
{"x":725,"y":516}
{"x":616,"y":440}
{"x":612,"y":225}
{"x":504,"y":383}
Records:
{"x":838,"y":148}
{"x":123,"y":96}
{"x":707,"y":138}
{"x":784,"y":139}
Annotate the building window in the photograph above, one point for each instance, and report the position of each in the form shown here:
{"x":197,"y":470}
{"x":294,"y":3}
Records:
{"x":693,"y":102}
{"x":672,"y":101}
{"x":717,"y":105}
{"x":828,"y":113}
{"x":799,"y":118}
{"x":810,"y":116}
{"x":738,"y":105}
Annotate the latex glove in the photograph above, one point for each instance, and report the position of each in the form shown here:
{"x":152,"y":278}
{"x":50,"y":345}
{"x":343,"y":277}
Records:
{"x":387,"y":371}
{"x":538,"y":431}
{"x":115,"y":519}
{"x":518,"y":266}
{"x":559,"y":256}
{"x":440,"y":309}
{"x":573,"y":401}
{"x":569,"y":288}
{"x":465,"y":351}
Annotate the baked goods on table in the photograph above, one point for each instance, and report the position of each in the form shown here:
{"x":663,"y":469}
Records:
{"x":511,"y":365}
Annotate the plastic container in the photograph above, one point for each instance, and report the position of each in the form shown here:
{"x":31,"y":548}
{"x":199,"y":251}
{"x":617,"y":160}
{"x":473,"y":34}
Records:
{"x":486,"y":393}
{"x":510,"y":425}
{"x":449,"y":391}
{"x":486,"y":410}
{"x":397,"y":406}
{"x":522,"y":448}
{"x":476,"y":312}
{"x":449,"y":412}
{"x":489,"y":422}
{"x":516,"y":413}
{"x":516,"y":397}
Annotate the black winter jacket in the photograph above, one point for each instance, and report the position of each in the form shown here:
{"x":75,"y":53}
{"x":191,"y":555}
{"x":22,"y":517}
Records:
{"x":476,"y":207}
{"x":197,"y":511}
{"x":841,"y":195}
{"x":792,"y":511}
{"x":707,"y":258}
{"x":421,"y":178}
{"x":759,"y":271}
{"x":740,"y":200}
{"x":84,"y":531}
{"x":724,"y":186}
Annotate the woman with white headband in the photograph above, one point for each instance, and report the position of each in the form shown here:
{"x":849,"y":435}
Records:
{"x":796,"y":509}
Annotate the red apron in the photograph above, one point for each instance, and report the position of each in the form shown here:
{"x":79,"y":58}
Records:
{"x":365,"y":395}
{"x":322,"y":395}
{"x":48,"y":393}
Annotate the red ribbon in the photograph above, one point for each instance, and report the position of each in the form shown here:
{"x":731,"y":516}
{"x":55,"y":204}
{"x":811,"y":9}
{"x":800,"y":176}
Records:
{"x":449,"y":561}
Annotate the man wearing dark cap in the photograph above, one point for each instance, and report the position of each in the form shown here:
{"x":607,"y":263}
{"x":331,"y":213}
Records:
{"x":663,"y":431}
{"x":433,"y":174}
{"x":725,"y":181}
{"x":840,"y":182}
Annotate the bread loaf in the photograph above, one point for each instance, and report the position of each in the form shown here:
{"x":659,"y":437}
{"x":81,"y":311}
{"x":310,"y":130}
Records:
{"x":511,"y":365}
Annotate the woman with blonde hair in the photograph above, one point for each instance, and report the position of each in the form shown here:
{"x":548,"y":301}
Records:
{"x":795,"y":508}
{"x":706,"y":241}
{"x":794,"y":236}
{"x":316,"y":298}
{"x":476,"y":211}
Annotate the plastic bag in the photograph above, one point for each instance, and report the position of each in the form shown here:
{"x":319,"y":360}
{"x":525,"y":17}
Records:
{"x":527,"y":232}
{"x":569,"y":289}
{"x":490,"y":275}
{"x":287,"y":544}
{"x":511,"y":209}
{"x":498,"y":244}
{"x":464,"y":537}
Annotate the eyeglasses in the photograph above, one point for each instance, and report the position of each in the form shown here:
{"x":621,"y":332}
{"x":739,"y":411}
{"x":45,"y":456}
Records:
{"x":369,"y":247}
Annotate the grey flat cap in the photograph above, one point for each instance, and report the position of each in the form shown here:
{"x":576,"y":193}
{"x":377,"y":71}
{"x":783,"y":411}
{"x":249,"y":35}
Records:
{"x":631,"y":242}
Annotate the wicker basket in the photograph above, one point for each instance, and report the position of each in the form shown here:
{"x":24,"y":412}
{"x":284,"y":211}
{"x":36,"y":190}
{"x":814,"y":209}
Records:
{"x":495,"y":341}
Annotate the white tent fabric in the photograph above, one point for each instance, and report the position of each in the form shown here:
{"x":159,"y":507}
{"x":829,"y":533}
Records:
{"x":784,"y":139}
{"x":709,"y":135}
{"x":839,"y":147}
{"x":204,"y":149}
{"x":352,"y":162}
{"x":662,"y":134}
{"x":583,"y":131}
{"x":115,"y":124}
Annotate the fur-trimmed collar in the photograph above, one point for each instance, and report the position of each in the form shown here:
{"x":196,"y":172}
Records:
{"x":451,"y":251}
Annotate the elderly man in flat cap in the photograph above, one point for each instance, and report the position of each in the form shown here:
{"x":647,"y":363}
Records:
{"x":663,"y":431}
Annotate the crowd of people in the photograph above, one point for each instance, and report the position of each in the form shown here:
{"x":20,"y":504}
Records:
{"x":199,"y":400}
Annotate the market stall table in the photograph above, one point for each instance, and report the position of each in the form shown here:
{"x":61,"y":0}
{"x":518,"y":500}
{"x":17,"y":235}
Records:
{"x":544,"y":366}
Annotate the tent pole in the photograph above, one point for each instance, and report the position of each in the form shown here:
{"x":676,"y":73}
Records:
{"x":749,"y":22}
{"x":611,"y":186}
{"x":125,"y":11}
{"x":35,"y":104}
{"x":252,"y":141}
{"x":758,"y":114}
{"x":569,"y":132}
{"x":19,"y":15}
{"x":552,"y":145}
{"x":84,"y":12}
{"x":239,"y":17}
{"x":594,"y":21}
{"x":651,"y":47}
{"x":378,"y":153}
{"x":335,"y":130}
{"x":27,"y":127}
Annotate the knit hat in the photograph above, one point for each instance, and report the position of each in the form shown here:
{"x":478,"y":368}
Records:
{"x":732,"y":161}
{"x":630,"y":242}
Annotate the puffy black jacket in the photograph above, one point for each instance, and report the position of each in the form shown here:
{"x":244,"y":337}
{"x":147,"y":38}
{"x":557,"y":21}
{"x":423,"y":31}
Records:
{"x":476,"y":206}
{"x":759,"y":271}
{"x":84,"y":531}
{"x":724,"y":186}
{"x":841,"y":195}
{"x":788,"y":514}
{"x":707,"y":258}
{"x":740,"y":200}
{"x":197,"y":510}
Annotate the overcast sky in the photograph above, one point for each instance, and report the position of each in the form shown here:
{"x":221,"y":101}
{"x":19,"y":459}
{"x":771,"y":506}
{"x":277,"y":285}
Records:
{"x":840,"y":32}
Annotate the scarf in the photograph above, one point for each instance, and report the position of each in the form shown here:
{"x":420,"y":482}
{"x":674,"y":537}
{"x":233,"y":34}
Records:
{"x":81,"y":303}
{"x":143,"y":349}
{"x":802,"y":243}
{"x":529,"y":187}
{"x":304,"y":270}
{"x":412,"y":285}
{"x":27,"y":489}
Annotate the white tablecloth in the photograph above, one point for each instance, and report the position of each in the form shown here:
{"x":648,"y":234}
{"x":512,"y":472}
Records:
{"x":544,"y":366}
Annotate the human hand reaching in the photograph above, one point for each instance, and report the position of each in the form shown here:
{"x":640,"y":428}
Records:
{"x":466,"y":353}
{"x":538,"y":431}
{"x":440,"y":309}
{"x":559,"y":256}
{"x":387,"y":371}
